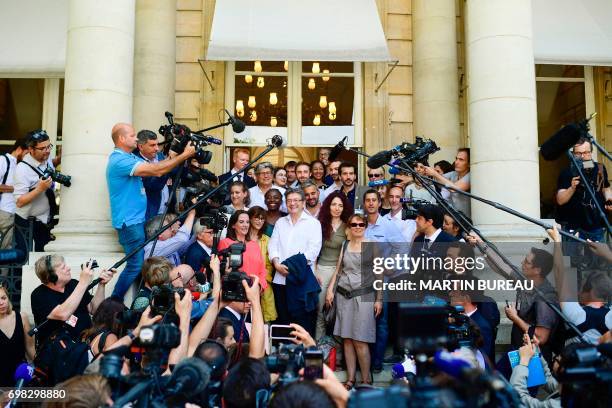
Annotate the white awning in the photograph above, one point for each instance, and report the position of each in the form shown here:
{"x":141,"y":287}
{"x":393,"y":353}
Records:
{"x":33,"y":36}
{"x":572,"y":32}
{"x":292,"y":30}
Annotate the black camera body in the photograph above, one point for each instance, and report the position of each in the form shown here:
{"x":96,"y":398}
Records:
{"x":287,"y":361}
{"x":231,"y":284}
{"x":417,"y":151}
{"x":214,"y":219}
{"x":586,"y":166}
{"x":56,"y":176}
{"x":162,"y":298}
{"x":159,"y":336}
{"x":180,"y":135}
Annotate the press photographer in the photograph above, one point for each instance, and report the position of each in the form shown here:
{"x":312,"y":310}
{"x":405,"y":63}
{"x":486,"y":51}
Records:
{"x":33,"y":190}
{"x":128,"y":200}
{"x":577,"y":211}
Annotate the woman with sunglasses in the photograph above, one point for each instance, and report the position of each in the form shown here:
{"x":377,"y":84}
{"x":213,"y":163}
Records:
{"x":355,"y":316}
{"x":257,"y":216}
{"x":15,"y":344}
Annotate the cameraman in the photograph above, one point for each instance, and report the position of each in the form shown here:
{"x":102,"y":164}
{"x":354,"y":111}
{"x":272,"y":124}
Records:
{"x":156,"y":188}
{"x":128,"y":201}
{"x":61,"y":299}
{"x":34,"y":195}
{"x":577,"y":211}
{"x":155,"y":272}
{"x":173,"y":242}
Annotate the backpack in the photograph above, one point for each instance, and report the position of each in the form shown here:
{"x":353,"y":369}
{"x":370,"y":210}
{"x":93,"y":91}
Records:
{"x":60,"y":358}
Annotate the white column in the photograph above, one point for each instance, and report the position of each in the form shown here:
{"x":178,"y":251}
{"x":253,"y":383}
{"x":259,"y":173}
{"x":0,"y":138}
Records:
{"x":50,"y":111}
{"x":502,"y":115}
{"x":98,"y":94}
{"x":154,"y":62}
{"x":436,"y":87}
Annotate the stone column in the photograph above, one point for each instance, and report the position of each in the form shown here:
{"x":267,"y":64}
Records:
{"x":436,"y":86}
{"x":502,"y":115}
{"x":98,"y":94}
{"x":51,"y":109}
{"x":154,"y":62}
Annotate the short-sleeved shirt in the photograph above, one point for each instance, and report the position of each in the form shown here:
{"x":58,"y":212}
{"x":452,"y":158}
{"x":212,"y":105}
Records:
{"x":128,"y":199}
{"x":460,"y":201}
{"x":25,"y":181}
{"x":7,"y":200}
{"x":580,"y":211}
{"x":45,"y":299}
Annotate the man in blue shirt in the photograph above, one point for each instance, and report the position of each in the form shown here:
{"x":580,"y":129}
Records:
{"x":381,"y":229}
{"x":127,"y":196}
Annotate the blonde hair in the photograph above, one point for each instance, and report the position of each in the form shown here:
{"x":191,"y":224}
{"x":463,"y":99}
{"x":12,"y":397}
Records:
{"x":41,"y":269}
{"x":8,"y":296}
{"x":83,"y":391}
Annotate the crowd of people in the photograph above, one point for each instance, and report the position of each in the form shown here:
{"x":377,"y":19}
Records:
{"x":298,"y":234}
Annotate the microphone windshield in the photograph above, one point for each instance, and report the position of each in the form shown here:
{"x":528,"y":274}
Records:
{"x":337,"y":149}
{"x":237,"y":125}
{"x":560,"y":142}
{"x":278,"y":141}
{"x":24,"y":372}
{"x":190,"y":376}
{"x":379,"y":159}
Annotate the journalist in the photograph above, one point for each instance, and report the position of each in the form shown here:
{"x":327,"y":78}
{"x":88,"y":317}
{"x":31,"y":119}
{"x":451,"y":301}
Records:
{"x":577,"y":211}
{"x":34,"y":195}
{"x":128,"y":200}
{"x":173,"y":242}
{"x":62,"y":300}
{"x":8,"y":164}
{"x":156,"y":188}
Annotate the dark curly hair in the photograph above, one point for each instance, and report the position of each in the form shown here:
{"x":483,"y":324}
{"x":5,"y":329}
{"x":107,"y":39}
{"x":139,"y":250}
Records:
{"x":325,"y":213}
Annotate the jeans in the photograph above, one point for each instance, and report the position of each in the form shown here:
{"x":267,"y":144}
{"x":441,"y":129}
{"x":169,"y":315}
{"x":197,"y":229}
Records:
{"x":130,"y":237}
{"x":382,"y":335}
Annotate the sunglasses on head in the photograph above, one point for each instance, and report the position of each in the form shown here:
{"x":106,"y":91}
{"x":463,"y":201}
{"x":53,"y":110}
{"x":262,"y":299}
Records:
{"x":39,"y":135}
{"x":358,"y":224}
{"x":371,"y":175}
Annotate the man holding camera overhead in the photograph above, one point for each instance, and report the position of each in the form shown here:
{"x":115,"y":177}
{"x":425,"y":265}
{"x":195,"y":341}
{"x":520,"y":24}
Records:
{"x":34,"y":195}
{"x":128,"y":200}
{"x":577,"y":211}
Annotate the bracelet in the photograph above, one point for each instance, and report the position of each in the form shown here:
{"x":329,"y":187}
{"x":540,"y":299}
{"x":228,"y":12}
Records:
{"x":131,"y":335}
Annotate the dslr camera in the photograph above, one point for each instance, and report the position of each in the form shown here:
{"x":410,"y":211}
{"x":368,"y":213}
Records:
{"x":56,"y":176}
{"x":231,"y":284}
{"x":162,"y":299}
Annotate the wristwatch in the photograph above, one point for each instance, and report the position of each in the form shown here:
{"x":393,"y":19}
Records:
{"x":131,"y":335}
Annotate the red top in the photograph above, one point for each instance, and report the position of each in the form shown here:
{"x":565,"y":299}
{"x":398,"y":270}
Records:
{"x":252,"y":262}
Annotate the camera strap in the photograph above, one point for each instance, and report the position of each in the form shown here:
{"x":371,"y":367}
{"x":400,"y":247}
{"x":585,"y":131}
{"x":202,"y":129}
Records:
{"x":8,"y":167}
{"x":53,"y":209}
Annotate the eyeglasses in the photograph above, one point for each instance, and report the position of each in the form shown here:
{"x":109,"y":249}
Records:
{"x":45,"y":148}
{"x":357,"y":224}
{"x":581,"y":154}
{"x":259,"y":218}
{"x":372,"y":175}
{"x":297,"y":200}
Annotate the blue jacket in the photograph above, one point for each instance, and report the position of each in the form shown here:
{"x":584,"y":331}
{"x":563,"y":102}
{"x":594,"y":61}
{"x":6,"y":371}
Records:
{"x":301,"y":286}
{"x":153,"y":187}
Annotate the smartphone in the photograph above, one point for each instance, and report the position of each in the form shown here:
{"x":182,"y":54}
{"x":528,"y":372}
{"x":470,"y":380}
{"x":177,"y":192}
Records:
{"x":281,"y":331}
{"x":313,"y":363}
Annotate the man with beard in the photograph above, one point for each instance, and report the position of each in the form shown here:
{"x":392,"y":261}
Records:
{"x":311,"y":191}
{"x":332,"y":179}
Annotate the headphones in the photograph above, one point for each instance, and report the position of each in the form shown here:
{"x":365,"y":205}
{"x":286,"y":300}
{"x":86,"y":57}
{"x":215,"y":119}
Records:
{"x":50,"y":271}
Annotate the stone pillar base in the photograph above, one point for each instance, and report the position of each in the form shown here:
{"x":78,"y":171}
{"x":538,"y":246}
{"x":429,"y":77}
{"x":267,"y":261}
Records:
{"x":84,"y":238}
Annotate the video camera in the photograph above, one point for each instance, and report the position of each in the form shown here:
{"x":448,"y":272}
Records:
{"x":178,"y":136}
{"x":214,"y":219}
{"x":231,"y":284}
{"x":417,"y":151}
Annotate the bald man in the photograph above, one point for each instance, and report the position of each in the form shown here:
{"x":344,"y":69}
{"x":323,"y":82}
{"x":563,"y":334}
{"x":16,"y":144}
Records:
{"x":127,"y":196}
{"x":183,"y":276}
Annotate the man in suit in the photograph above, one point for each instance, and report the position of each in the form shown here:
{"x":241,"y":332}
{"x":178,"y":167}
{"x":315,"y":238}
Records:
{"x":240,"y":158}
{"x":429,"y":223}
{"x":198,"y":253}
{"x":236,"y":312}
{"x":463,"y":298}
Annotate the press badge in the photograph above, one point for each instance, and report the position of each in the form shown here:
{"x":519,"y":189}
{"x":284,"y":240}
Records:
{"x":72,"y":321}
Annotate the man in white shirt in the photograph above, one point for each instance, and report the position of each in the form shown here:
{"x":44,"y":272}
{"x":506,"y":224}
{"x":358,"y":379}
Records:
{"x":407,"y":227}
{"x":264,"y":175}
{"x":31,"y":192}
{"x":8,"y":163}
{"x":295,"y":233}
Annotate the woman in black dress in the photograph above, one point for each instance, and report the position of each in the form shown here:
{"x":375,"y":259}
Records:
{"x":15,"y":344}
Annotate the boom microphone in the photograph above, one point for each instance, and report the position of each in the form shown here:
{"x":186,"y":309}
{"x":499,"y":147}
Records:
{"x":237,"y":125}
{"x":560,"y":142}
{"x":380,"y":159}
{"x":337,"y":149}
{"x":190,"y":377}
{"x":277,"y":141}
